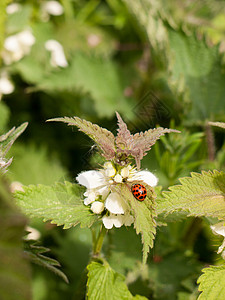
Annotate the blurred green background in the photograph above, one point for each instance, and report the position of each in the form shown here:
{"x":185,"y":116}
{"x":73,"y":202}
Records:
{"x":156,"y":63}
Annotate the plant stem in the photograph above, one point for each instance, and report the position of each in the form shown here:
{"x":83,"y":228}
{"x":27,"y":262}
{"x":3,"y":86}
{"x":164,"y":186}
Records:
{"x":97,"y":246}
{"x":210,"y":139}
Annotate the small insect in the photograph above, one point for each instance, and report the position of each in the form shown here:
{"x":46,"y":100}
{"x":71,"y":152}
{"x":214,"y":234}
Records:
{"x":139,"y":191}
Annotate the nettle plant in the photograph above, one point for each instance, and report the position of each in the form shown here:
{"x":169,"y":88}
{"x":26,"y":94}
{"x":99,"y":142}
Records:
{"x":120,"y":193}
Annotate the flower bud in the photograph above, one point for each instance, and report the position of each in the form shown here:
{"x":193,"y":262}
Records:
{"x":110,"y":171}
{"x":97,"y":207}
{"x":125,"y":172}
{"x":118,"y":178}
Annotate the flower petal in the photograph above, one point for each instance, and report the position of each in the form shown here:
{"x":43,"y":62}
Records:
{"x":108,"y":222}
{"x":91,"y":179}
{"x":88,"y":201}
{"x":218,"y":228}
{"x":128,"y":220}
{"x":118,"y":178}
{"x":118,"y":221}
{"x":147,"y":177}
{"x":97,"y":207}
{"x":115,"y":204}
{"x":112,"y":220}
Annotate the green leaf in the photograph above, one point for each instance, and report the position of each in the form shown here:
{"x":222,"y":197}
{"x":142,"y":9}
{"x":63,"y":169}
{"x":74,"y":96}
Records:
{"x":9,"y":138}
{"x":148,"y":15}
{"x":201,"y":195}
{"x":197,"y":69}
{"x":143,"y":141}
{"x":104,"y":283}
{"x":144,"y":213}
{"x":60,"y":203}
{"x":15,"y":280}
{"x":124,"y":139}
{"x":212,"y":283}
{"x":44,"y":169}
{"x":6,"y":142}
{"x":102,"y":137}
{"x":35,"y":254}
{"x":4,"y":116}
{"x":100,"y":78}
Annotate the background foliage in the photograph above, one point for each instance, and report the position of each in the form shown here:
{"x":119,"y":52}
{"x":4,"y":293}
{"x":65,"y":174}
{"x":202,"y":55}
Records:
{"x":156,"y":63}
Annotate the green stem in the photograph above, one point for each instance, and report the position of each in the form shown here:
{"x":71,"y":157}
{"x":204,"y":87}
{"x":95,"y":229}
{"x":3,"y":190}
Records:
{"x":97,"y":246}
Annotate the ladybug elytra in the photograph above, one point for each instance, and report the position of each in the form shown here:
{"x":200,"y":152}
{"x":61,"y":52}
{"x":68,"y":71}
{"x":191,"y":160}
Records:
{"x":139,"y":191}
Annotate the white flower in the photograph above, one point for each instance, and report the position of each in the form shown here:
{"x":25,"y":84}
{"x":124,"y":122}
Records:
{"x":118,"y":178}
{"x":117,"y":221}
{"x":219,"y":228}
{"x":145,"y":176}
{"x":17,"y":46}
{"x":110,"y":171}
{"x":101,"y":192}
{"x":33,"y":234}
{"x":53,"y":8}
{"x":115,"y":204}
{"x":6,"y":86}
{"x":97,"y":207}
{"x":91,"y":179}
{"x":13,"y":8}
{"x":112,"y":220}
{"x":57,"y":54}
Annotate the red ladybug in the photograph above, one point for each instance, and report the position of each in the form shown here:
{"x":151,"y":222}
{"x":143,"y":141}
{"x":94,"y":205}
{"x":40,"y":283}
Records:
{"x":139,"y":191}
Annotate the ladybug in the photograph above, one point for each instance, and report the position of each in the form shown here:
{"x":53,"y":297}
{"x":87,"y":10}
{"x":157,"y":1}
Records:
{"x":139,"y":191}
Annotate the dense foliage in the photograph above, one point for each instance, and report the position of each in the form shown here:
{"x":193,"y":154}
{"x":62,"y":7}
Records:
{"x":159,"y":64}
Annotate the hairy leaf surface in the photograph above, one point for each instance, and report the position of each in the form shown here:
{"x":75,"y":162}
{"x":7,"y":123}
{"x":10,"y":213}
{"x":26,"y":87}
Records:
{"x":144,"y":213}
{"x":104,"y":283}
{"x":124,"y":139}
{"x":60,"y":203}
{"x":200,"y":194}
{"x":218,"y":124}
{"x":212,"y":283}
{"x":36,"y":254}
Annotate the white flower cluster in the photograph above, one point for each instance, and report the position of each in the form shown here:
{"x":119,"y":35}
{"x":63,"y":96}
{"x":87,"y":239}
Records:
{"x":53,"y":8}
{"x":219,"y":228}
{"x":100,"y":194}
{"x":17,"y":46}
{"x":57,"y":54}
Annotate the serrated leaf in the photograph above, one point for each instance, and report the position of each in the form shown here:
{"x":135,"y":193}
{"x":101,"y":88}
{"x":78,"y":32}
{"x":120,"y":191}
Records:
{"x":104,"y":283}
{"x":15,"y":279}
{"x":212,"y":283}
{"x":9,"y":138}
{"x":60,"y":203}
{"x":200,"y":194}
{"x":35,"y":253}
{"x":103,"y":138}
{"x":100,"y":78}
{"x":196,"y":68}
{"x":143,"y":141}
{"x":144,"y":213}
{"x":6,"y":142}
{"x":148,"y":15}
{"x":124,"y":139}
{"x":218,"y":124}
